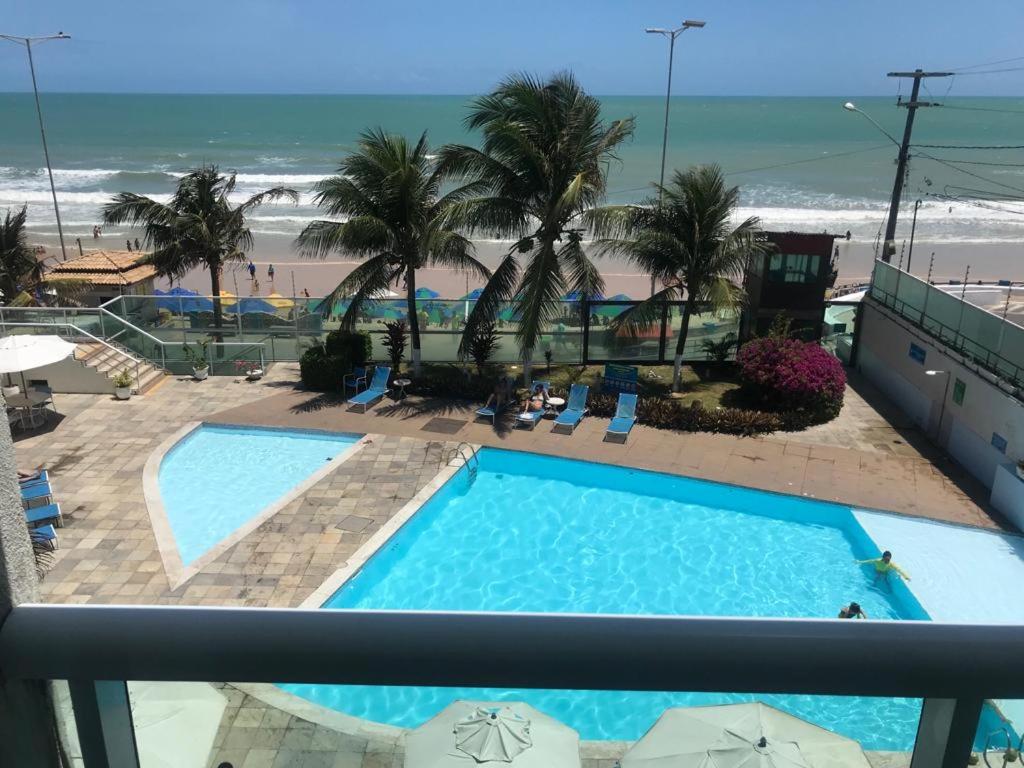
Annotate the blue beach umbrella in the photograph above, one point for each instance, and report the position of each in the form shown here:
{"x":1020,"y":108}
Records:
{"x":426,"y":293}
{"x":473,"y":295}
{"x":612,"y":310}
{"x":246,"y":306}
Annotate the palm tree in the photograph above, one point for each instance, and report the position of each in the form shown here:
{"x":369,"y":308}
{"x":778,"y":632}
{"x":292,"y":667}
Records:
{"x":542,"y":161}
{"x":684,"y":238}
{"x":199,"y":227}
{"x":23,"y":277}
{"x":396,"y":218}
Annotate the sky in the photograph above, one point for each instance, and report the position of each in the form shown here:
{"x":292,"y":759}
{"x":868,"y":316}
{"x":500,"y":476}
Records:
{"x":749,"y":47}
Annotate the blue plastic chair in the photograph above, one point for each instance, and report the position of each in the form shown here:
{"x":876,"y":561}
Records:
{"x":357,"y":375}
{"x":43,"y":515}
{"x":529,"y":419}
{"x":45,"y":535}
{"x":377,"y":389}
{"x":36,"y":493}
{"x":574,"y":411}
{"x":625,"y":418}
{"x":42,"y":477}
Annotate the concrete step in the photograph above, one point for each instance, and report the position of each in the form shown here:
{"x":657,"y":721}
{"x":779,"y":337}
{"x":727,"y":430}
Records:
{"x":149,"y":378}
{"x":110,"y":362}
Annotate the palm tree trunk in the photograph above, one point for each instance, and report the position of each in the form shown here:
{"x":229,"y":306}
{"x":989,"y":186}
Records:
{"x":677,"y":371}
{"x":414,"y":321}
{"x":218,"y":313}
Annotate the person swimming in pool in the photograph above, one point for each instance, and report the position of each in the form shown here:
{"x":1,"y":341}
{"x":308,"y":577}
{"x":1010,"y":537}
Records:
{"x":537,"y":400}
{"x":884,"y":566}
{"x":852,"y":611}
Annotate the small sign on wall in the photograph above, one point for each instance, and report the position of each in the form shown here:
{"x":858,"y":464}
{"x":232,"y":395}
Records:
{"x":999,"y":442}
{"x":959,"y":390}
{"x":917,"y":354}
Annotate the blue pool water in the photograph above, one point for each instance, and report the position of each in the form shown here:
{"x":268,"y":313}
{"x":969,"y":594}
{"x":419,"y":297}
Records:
{"x":219,"y":477}
{"x":535,"y":533}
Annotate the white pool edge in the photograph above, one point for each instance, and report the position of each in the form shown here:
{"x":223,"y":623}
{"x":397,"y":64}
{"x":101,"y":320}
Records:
{"x":178,"y":574}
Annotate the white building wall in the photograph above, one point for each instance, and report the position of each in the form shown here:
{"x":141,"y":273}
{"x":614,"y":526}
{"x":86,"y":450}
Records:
{"x":68,"y":376}
{"x":967,"y":429}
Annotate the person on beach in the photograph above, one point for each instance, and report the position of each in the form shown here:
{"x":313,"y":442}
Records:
{"x":852,"y":611}
{"x":129,"y":244}
{"x":305,"y":293}
{"x":884,"y":566}
{"x":255,"y":286}
{"x":252,"y":270}
{"x":137,"y":246}
{"x":270,"y":272}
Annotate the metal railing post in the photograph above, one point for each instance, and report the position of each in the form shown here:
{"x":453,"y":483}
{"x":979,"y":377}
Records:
{"x":663,"y":338}
{"x":103,"y":717}
{"x":945,"y":733}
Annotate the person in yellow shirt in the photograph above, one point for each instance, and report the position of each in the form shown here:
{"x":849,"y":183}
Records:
{"x":884,"y":566}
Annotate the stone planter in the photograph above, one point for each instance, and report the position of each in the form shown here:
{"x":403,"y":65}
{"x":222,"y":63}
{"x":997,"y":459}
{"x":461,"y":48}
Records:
{"x":200,"y":373}
{"x":123,"y":393}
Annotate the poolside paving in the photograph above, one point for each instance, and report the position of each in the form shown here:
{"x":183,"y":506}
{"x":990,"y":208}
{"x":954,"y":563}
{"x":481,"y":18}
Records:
{"x":109,"y":554}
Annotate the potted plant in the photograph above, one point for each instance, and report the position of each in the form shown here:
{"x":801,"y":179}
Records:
{"x":251,"y":370}
{"x":123,"y":385}
{"x":197,"y":355}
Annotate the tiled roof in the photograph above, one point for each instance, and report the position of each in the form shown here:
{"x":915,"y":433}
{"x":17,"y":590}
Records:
{"x":106,"y":268}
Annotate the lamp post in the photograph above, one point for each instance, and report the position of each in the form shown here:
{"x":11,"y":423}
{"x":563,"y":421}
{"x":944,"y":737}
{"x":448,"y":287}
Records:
{"x":27,"y":42}
{"x":913,"y":228}
{"x":945,"y":392}
{"x":671,"y":34}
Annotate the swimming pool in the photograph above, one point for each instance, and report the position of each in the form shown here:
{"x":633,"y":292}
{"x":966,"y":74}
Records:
{"x":219,"y":477}
{"x":536,"y":533}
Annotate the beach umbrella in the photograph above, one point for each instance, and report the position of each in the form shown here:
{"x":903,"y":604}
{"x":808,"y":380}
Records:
{"x":489,"y":734}
{"x":278,"y":301}
{"x":750,"y":735}
{"x":426,"y":293}
{"x":577,"y":295}
{"x":23,"y":352}
{"x":473,"y":295}
{"x":175,"y":723}
{"x":253,"y":304}
{"x":612,"y":310}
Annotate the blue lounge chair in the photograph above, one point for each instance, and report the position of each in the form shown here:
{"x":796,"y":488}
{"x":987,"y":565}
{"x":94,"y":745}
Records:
{"x":353,"y":379}
{"x":46,"y":535}
{"x":488,"y":412}
{"x":35,"y":494}
{"x":44,"y":515}
{"x":529,"y":419}
{"x":625,"y":418}
{"x":574,"y":411}
{"x":42,"y":476}
{"x":377,"y":389}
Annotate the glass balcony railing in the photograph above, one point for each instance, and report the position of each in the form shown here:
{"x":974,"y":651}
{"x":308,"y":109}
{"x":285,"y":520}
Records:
{"x":361,"y":689}
{"x":987,"y":339}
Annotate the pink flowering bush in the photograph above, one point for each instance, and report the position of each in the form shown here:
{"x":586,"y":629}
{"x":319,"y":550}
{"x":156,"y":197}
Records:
{"x":789,"y":375}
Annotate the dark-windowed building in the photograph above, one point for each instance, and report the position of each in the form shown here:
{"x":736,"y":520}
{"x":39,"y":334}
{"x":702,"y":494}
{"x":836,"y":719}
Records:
{"x":791,"y":279}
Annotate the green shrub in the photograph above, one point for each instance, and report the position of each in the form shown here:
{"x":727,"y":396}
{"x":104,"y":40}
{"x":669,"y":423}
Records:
{"x":354,"y":346}
{"x":665,"y":413}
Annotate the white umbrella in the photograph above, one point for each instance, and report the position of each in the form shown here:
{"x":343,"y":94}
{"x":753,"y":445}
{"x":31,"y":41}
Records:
{"x":492,"y":734}
{"x":23,"y":352}
{"x":740,"y":736}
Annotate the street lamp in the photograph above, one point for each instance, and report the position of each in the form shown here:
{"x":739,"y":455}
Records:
{"x":671,"y":34}
{"x":27,"y":42}
{"x":945,"y":391}
{"x":851,"y":107}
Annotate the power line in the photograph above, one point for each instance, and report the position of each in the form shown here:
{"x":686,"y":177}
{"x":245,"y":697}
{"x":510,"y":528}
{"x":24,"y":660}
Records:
{"x":990,"y":71}
{"x":988,"y":64}
{"x":984,"y":109}
{"x":983,"y":162}
{"x":809,"y":160}
{"x":968,"y":146}
{"x":970,"y":173}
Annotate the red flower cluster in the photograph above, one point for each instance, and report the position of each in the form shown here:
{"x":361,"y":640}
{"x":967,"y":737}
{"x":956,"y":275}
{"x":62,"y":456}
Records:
{"x":792,"y":374}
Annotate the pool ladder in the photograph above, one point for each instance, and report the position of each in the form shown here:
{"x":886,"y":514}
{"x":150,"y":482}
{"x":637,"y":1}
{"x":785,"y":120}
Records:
{"x":467,"y":453}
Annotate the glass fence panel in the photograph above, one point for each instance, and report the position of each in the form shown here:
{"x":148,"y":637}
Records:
{"x":980,"y":333}
{"x":371,"y":726}
{"x":840,"y":329}
{"x":910,"y":297}
{"x":606,"y":343}
{"x":709,"y":334}
{"x":1011,"y":352}
{"x":883,"y":283}
{"x":943,"y":315}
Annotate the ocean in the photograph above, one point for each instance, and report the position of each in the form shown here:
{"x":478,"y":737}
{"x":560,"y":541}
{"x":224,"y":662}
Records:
{"x":801,"y":163}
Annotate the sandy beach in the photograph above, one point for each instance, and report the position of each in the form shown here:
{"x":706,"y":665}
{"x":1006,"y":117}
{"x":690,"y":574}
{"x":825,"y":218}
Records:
{"x":987,"y":261}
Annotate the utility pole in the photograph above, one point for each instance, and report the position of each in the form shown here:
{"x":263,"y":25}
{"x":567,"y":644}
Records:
{"x":889,"y":246}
